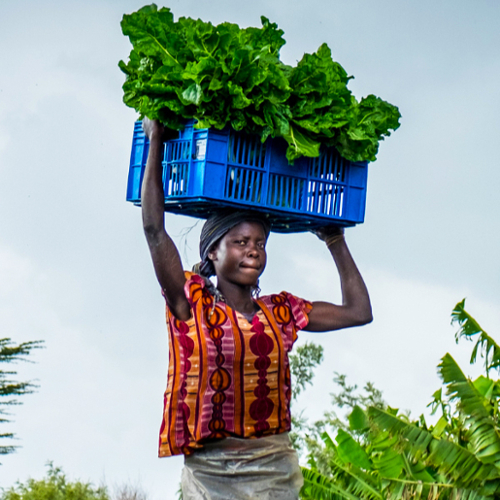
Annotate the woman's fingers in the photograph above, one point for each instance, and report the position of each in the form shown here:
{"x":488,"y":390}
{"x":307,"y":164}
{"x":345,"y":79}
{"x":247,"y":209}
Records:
{"x":328,"y":231}
{"x":152,"y":127}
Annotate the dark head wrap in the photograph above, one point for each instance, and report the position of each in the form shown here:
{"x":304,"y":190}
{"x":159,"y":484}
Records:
{"x":216,"y":227}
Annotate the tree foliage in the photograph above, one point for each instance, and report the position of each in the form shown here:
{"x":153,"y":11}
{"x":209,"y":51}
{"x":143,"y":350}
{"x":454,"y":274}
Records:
{"x":55,"y":487}
{"x":302,"y":363}
{"x":374,"y":451}
{"x":10,"y":388}
{"x":130,"y":492}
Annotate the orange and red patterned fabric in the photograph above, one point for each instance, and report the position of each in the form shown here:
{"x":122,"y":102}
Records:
{"x":228,"y":377}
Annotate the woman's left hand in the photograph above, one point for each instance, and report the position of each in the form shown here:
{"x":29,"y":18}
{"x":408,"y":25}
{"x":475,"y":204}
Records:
{"x":330,"y":234}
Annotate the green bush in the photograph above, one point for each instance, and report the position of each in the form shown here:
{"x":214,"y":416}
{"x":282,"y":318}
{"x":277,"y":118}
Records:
{"x":54,"y":487}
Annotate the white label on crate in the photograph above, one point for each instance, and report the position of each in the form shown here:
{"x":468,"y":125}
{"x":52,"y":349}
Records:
{"x":201,"y":149}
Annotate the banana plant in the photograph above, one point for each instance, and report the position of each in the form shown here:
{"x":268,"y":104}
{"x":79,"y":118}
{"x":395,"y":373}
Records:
{"x":380,"y":453}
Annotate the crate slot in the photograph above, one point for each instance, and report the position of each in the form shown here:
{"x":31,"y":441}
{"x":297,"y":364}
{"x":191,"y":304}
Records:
{"x":285,"y":192}
{"x":325,"y":198}
{"x":175,"y":183}
{"x":245,"y":150}
{"x":178,"y":150}
{"x":329,"y":166}
{"x":244,"y":184}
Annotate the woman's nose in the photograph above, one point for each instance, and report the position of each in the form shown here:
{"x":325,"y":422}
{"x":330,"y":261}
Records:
{"x":253,"y":251}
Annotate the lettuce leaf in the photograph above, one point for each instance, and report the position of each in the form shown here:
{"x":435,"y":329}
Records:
{"x":225,"y":75}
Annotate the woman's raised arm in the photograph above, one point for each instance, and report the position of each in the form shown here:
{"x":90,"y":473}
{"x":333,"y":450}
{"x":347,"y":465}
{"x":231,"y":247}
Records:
{"x":356,"y":308}
{"x":166,"y":259}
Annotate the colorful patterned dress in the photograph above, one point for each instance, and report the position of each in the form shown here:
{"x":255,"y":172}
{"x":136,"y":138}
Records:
{"x":228,"y":377}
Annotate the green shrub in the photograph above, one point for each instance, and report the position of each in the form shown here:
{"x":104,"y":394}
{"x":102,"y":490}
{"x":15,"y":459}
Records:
{"x":54,"y":487}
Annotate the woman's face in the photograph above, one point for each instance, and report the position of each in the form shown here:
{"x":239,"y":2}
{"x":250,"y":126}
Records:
{"x":240,"y":256}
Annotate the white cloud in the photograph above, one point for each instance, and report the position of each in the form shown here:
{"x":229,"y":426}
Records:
{"x":15,"y":272}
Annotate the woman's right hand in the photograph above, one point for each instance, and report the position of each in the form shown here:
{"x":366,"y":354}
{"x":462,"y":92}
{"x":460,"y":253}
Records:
{"x":153,"y":128}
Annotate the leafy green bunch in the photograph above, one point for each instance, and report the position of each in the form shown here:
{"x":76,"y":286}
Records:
{"x":228,"y":76}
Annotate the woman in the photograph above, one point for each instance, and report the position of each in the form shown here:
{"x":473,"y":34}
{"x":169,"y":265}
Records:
{"x":227,"y":403}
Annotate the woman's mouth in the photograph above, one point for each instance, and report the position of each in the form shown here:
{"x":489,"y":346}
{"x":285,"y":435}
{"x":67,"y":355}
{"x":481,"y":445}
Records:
{"x":250,"y":266}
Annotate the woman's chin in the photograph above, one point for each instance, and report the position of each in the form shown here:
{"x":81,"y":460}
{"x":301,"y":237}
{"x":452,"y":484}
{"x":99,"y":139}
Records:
{"x":250,"y":275}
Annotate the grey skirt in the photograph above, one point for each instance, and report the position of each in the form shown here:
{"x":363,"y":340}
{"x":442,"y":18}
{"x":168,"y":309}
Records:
{"x":243,"y":469}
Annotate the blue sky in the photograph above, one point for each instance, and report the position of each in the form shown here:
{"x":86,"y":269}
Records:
{"x":75,"y":270}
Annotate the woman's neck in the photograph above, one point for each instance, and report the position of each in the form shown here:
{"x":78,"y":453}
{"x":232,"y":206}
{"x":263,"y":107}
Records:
{"x":237,"y":297}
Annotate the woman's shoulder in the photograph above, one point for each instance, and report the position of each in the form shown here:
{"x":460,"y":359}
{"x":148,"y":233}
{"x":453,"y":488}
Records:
{"x":283,"y":297}
{"x":195,"y":278}
{"x":195,"y":286}
{"x":298,"y":307}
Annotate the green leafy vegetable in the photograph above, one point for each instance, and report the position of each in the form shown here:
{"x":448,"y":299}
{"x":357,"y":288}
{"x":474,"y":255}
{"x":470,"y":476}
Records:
{"x":225,"y":75}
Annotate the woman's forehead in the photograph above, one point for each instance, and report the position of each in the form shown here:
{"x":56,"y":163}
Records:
{"x":248,"y":228}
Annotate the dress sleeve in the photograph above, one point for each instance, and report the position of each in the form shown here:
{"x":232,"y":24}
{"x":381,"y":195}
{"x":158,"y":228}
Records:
{"x":300,"y":309}
{"x":193,"y":288}
{"x":289,"y":313}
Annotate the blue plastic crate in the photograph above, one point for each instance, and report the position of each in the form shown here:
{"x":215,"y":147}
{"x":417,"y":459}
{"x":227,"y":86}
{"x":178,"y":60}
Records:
{"x":207,"y":169}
